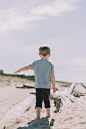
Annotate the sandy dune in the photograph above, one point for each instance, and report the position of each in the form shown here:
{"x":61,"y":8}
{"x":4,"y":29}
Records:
{"x":72,"y":117}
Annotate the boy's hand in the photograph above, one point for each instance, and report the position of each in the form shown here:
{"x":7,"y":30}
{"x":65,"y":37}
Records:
{"x":53,"y":82}
{"x":54,"y":90}
{"x":17,"y":71}
{"x":23,"y":69}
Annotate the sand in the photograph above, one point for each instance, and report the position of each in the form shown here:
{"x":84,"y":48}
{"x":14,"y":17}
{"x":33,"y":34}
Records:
{"x":72,"y":117}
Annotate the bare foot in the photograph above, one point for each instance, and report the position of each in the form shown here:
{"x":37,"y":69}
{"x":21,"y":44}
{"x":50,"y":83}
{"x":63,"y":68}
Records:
{"x":48,"y":116}
{"x":36,"y":118}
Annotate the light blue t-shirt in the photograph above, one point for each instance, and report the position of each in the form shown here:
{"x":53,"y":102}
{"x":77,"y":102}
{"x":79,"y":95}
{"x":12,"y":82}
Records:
{"x":42,"y":70}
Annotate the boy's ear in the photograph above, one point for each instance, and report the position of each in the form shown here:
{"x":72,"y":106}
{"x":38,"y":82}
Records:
{"x":49,"y":55}
{"x":39,"y":54}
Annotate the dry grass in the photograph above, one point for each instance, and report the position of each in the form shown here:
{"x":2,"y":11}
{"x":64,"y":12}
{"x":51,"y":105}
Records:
{"x":13,"y":81}
{"x":63,"y":84}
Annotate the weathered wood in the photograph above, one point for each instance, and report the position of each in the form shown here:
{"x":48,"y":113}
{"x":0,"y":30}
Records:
{"x":62,"y":97}
{"x":18,"y":109}
{"x":71,"y":89}
{"x":25,"y":86}
{"x":76,"y":94}
{"x":83,"y":85}
{"x":33,"y":93}
{"x":65,"y":92}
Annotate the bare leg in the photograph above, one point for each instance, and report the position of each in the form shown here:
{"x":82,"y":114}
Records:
{"x":48,"y":112}
{"x":38,"y":110}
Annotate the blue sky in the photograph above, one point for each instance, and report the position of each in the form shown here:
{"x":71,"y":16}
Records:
{"x":61,"y":24}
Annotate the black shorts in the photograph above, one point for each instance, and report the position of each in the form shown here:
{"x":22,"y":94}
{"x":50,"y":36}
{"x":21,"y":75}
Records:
{"x":42,"y":94}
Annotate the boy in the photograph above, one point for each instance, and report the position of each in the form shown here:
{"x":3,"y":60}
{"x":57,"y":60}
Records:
{"x":44,"y":73}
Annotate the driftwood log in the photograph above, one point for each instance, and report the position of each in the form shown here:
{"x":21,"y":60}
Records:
{"x":17,"y":110}
{"x":83,"y":85}
{"x":23,"y":86}
{"x":62,"y":97}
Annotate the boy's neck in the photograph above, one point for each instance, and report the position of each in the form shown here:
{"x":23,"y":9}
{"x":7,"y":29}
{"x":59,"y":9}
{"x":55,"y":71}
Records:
{"x":44,"y":57}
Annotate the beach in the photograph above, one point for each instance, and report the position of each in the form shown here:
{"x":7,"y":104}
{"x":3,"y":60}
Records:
{"x":72,"y":117}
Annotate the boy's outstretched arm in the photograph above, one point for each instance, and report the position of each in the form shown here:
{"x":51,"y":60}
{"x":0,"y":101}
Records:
{"x":53,"y":82}
{"x":23,"y":69}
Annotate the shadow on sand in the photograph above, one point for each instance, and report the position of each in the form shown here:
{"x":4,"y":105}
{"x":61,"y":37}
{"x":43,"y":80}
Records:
{"x":42,"y":123}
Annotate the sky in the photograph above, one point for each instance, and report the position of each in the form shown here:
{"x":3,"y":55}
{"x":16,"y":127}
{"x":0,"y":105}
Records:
{"x":25,"y":25}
